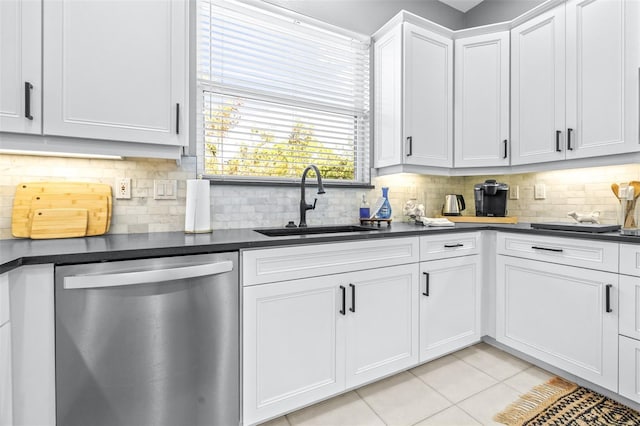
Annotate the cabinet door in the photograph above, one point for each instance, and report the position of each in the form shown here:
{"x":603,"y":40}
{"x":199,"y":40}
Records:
{"x":382,"y":322}
{"x":428,"y":98}
{"x":293,"y":351}
{"x":450,"y":302}
{"x":20,"y":65}
{"x":562,"y":315}
{"x":630,"y":368}
{"x":388,"y":99}
{"x":602,"y":99}
{"x":116,"y":70}
{"x":6,"y":409}
{"x":538,"y":89}
{"x":630,"y":306}
{"x":482,"y":100}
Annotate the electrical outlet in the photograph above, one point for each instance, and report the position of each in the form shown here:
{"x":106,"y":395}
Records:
{"x":165,"y":189}
{"x":123,"y":188}
{"x":539,"y":191}
{"x":514,"y":192}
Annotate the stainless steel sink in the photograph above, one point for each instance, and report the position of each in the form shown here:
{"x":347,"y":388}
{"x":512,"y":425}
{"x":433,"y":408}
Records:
{"x":312,"y":230}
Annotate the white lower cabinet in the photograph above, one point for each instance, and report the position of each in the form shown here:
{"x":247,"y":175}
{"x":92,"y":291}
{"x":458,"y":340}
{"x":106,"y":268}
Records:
{"x":562,"y":315}
{"x":629,"y":369}
{"x":307,"y":339}
{"x":6,"y":409}
{"x":6,"y":399}
{"x":450,"y":303}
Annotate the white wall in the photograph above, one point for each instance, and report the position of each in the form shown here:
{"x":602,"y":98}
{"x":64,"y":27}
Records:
{"x":493,"y":11}
{"x":366,"y":16}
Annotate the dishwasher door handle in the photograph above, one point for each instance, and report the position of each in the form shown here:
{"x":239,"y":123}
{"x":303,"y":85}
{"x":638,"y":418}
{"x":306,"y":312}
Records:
{"x":145,"y":277}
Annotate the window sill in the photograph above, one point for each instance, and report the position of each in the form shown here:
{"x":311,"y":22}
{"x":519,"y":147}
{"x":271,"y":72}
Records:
{"x":311,"y":181}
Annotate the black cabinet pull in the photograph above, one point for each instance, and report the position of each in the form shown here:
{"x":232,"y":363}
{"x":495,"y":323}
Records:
{"x":608,"y":297}
{"x":353,"y":298}
{"x":558,"y":132}
{"x":547,"y":249}
{"x":453,"y":245}
{"x":27,"y":100}
{"x":344,"y":299}
{"x":426,"y":287}
{"x":410,"y":141}
{"x":569,"y":147}
{"x":505,"y":148}
{"x":177,"y":119}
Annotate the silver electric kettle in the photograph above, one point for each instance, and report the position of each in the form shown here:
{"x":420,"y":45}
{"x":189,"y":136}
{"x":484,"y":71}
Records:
{"x":453,"y":205}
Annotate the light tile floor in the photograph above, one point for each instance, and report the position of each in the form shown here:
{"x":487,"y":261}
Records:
{"x":465,"y":388}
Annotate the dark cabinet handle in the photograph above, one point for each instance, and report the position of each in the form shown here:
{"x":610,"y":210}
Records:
{"x":453,"y":245}
{"x":177,"y":119}
{"x":547,"y":249}
{"x":608,"y":297}
{"x":27,"y":100}
{"x":505,"y":148}
{"x":558,"y":132}
{"x":569,"y":147}
{"x":344,"y":299}
{"x":410,"y":142}
{"x":426,"y":287}
{"x":353,"y":298}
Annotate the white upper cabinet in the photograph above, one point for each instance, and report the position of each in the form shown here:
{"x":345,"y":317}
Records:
{"x":603,"y":47}
{"x":428,"y":98}
{"x":116,"y":70}
{"x":482,"y":100}
{"x":413,"y":97}
{"x":20,"y":66}
{"x":538,"y":88}
{"x":574,"y":82}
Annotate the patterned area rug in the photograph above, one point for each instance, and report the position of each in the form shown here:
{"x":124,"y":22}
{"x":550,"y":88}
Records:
{"x":559,"y":402}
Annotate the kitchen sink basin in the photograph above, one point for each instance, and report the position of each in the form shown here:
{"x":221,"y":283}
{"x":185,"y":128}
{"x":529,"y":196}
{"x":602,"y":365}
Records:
{"x":312,"y":230}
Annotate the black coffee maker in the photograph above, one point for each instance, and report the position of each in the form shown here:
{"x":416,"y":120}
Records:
{"x":491,"y":198}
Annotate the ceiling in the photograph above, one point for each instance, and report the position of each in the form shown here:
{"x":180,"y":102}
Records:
{"x":461,"y":5}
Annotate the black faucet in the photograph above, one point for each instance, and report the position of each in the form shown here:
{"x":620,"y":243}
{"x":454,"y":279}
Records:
{"x":303,"y":203}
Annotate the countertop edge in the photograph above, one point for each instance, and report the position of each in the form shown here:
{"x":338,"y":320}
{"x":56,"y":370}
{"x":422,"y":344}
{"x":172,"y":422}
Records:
{"x":138,"y":246}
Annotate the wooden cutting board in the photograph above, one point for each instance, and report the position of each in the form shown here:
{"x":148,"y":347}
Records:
{"x":58,"y":223}
{"x":94,"y":197}
{"x":483,"y":219}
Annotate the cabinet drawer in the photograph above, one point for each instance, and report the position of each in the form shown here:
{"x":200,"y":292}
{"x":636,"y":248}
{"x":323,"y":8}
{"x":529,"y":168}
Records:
{"x":630,"y":259}
{"x":303,"y":261}
{"x":630,"y":306}
{"x":591,"y":254}
{"x":449,"y":245}
{"x":4,"y":298}
{"x":629,"y":373}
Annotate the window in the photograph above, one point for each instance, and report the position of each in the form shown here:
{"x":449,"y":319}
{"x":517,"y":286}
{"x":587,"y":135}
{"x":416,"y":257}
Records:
{"x":277,"y":92}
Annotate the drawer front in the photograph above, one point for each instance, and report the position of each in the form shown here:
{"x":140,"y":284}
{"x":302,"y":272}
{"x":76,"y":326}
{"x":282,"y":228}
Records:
{"x":449,"y":245}
{"x":591,"y":254}
{"x":304,"y":261}
{"x":630,"y":259}
{"x":4,"y":298}
{"x":629,"y":373}
{"x":630,"y":306}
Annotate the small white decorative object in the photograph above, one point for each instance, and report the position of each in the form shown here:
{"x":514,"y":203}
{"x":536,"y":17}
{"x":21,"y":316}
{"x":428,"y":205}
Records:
{"x":413,"y":210}
{"x":592,"y":217}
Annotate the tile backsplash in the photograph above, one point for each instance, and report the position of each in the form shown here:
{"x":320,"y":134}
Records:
{"x":583,"y":190}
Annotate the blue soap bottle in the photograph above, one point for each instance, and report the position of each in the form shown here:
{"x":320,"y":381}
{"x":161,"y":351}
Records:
{"x":385,"y":211}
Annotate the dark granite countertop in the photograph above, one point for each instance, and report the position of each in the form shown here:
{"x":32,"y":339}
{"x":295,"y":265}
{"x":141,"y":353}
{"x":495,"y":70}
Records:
{"x":17,"y":252}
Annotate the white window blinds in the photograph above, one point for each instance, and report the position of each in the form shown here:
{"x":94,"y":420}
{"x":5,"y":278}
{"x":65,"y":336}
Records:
{"x":278,"y":92}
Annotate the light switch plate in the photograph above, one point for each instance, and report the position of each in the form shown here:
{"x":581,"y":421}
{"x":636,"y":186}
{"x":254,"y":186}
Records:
{"x":539,"y":191}
{"x":514,"y":192}
{"x":165,"y":189}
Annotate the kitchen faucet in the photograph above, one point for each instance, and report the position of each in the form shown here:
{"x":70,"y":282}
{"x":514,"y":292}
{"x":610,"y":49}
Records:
{"x":303,"y":203}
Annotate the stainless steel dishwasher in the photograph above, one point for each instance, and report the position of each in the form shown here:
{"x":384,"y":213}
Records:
{"x":152,"y":342}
